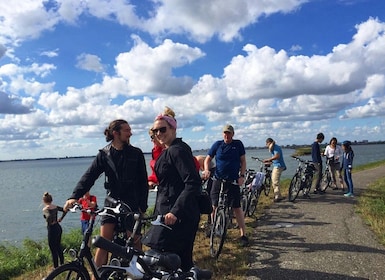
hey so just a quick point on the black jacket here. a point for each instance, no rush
(126, 180)
(179, 182)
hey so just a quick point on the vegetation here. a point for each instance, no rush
(33, 259)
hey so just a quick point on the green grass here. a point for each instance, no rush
(33, 259)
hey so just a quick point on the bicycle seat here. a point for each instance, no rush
(170, 261)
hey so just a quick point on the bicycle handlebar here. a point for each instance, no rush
(302, 160)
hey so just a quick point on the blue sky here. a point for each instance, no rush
(284, 69)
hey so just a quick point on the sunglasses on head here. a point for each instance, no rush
(161, 130)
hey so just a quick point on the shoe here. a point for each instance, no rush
(244, 241)
(199, 273)
(335, 188)
(315, 191)
(349, 194)
(278, 199)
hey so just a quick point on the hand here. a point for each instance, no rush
(69, 203)
(241, 180)
(170, 219)
(206, 174)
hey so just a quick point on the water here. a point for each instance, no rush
(24, 182)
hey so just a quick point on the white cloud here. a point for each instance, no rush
(89, 62)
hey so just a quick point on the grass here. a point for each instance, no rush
(33, 261)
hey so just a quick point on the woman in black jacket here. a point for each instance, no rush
(179, 186)
(126, 179)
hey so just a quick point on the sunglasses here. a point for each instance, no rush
(161, 130)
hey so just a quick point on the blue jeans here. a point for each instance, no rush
(85, 224)
(348, 180)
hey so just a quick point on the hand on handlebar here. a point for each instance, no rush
(69, 204)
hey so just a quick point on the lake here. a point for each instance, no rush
(24, 182)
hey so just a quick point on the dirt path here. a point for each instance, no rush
(320, 238)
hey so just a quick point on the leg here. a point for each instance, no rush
(275, 179)
(317, 177)
(52, 245)
(101, 256)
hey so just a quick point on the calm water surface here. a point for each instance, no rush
(24, 182)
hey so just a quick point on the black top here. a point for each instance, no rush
(126, 176)
(50, 215)
(179, 181)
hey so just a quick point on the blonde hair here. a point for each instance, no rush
(168, 112)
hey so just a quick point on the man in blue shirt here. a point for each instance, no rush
(317, 161)
(230, 166)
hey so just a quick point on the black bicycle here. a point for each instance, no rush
(222, 219)
(302, 179)
(255, 184)
(129, 262)
(326, 180)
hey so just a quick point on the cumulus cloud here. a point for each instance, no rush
(149, 69)
(13, 105)
(89, 62)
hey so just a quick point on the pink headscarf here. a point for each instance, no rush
(170, 120)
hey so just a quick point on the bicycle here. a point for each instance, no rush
(255, 183)
(140, 265)
(302, 179)
(222, 219)
(326, 180)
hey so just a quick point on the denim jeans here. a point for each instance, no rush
(348, 180)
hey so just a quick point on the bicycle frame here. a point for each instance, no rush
(222, 217)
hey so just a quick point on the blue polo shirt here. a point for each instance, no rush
(227, 158)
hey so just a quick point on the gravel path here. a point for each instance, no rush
(318, 238)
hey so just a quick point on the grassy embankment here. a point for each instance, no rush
(32, 260)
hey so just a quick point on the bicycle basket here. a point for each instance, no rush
(258, 180)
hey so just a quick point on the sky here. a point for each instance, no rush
(285, 69)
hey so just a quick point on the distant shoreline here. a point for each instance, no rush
(294, 147)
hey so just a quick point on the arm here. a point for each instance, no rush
(206, 167)
(63, 215)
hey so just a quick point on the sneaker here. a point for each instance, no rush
(349, 194)
(244, 241)
(199, 273)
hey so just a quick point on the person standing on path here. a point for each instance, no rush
(230, 166)
(55, 231)
(347, 165)
(333, 152)
(317, 162)
(278, 167)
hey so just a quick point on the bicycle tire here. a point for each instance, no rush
(69, 271)
(294, 188)
(254, 198)
(218, 233)
(267, 184)
(326, 180)
(307, 185)
(244, 202)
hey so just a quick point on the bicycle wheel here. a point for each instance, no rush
(295, 187)
(307, 185)
(253, 197)
(326, 180)
(244, 202)
(218, 233)
(267, 184)
(69, 271)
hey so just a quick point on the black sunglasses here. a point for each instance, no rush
(161, 130)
